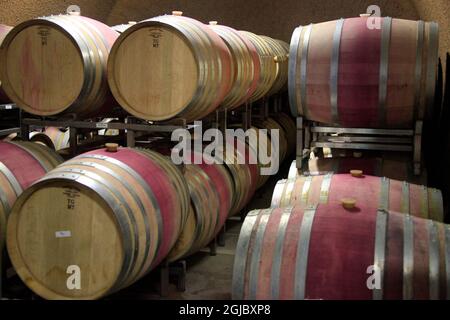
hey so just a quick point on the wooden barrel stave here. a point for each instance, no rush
(329, 260)
(175, 175)
(368, 191)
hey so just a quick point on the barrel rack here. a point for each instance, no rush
(7, 108)
(312, 135)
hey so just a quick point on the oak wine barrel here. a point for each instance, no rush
(367, 191)
(115, 213)
(273, 64)
(57, 64)
(59, 137)
(242, 163)
(221, 181)
(3, 32)
(170, 66)
(290, 129)
(21, 164)
(280, 50)
(245, 62)
(270, 124)
(212, 192)
(205, 202)
(344, 73)
(328, 252)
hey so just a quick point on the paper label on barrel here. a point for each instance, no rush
(63, 234)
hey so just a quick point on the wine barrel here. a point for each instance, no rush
(245, 62)
(290, 130)
(368, 191)
(328, 252)
(221, 181)
(205, 202)
(212, 192)
(42, 139)
(270, 124)
(57, 64)
(3, 32)
(344, 73)
(280, 50)
(115, 213)
(393, 168)
(272, 59)
(21, 163)
(183, 71)
(59, 138)
(242, 163)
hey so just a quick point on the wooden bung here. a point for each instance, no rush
(213, 23)
(356, 173)
(111, 147)
(348, 203)
(177, 13)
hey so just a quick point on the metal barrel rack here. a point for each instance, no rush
(8, 108)
(311, 135)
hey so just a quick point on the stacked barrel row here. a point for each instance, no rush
(117, 213)
(345, 236)
(158, 69)
(340, 230)
(326, 233)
